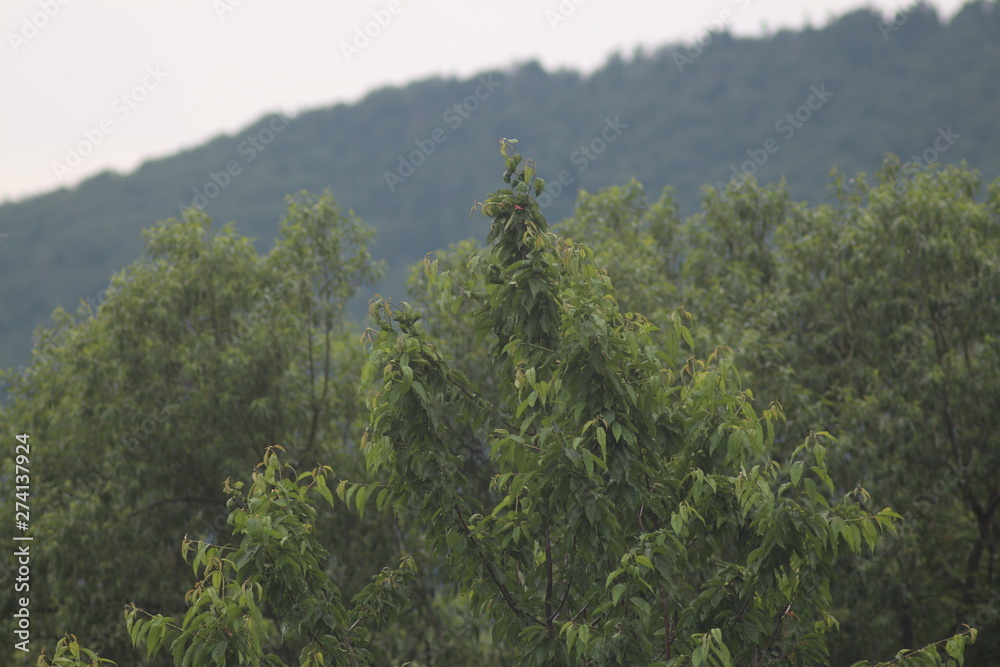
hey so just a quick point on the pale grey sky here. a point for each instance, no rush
(123, 81)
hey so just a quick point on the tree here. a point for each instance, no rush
(637, 518)
(635, 515)
(897, 351)
(279, 563)
(199, 358)
(873, 317)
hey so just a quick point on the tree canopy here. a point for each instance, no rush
(577, 450)
(689, 124)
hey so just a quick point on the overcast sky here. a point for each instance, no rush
(123, 81)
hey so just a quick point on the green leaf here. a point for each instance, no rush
(795, 472)
(677, 523)
(722, 653)
(699, 655)
(616, 592)
(361, 499)
(324, 491)
(643, 606)
(955, 648)
(381, 499)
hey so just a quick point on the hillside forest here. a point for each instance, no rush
(913, 85)
(635, 407)
(763, 434)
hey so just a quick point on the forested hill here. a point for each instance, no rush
(409, 160)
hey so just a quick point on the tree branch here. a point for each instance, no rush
(493, 577)
(548, 580)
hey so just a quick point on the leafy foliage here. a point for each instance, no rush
(69, 653)
(873, 317)
(596, 489)
(637, 518)
(890, 94)
(200, 357)
(278, 565)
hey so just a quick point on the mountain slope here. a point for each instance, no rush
(792, 105)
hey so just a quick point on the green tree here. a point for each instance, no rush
(875, 318)
(200, 357)
(634, 513)
(894, 295)
(279, 567)
(638, 518)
